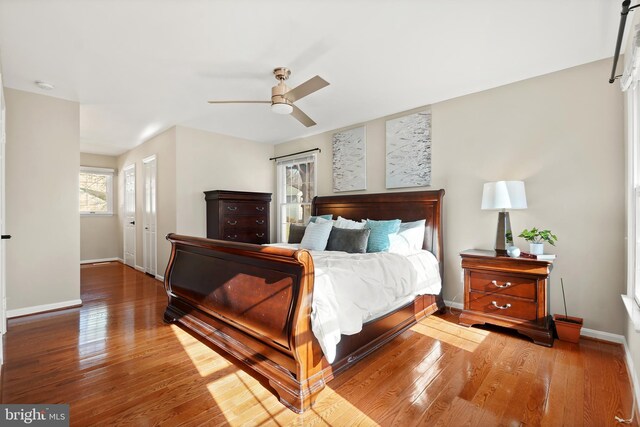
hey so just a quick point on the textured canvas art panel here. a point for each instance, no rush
(349, 160)
(409, 151)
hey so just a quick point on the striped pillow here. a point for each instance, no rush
(316, 236)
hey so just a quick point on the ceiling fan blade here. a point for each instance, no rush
(306, 88)
(302, 117)
(239, 102)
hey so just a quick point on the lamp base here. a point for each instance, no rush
(504, 238)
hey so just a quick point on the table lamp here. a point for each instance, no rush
(503, 195)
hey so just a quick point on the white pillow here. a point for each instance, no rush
(348, 224)
(320, 220)
(410, 237)
(316, 236)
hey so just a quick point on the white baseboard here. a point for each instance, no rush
(41, 308)
(160, 278)
(454, 304)
(137, 267)
(93, 261)
(604, 336)
(120, 260)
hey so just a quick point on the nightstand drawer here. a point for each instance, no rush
(503, 284)
(500, 305)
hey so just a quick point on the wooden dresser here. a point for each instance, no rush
(510, 292)
(238, 215)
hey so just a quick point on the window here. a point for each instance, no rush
(96, 191)
(295, 192)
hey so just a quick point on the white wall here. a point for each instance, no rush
(164, 147)
(99, 233)
(42, 158)
(562, 134)
(208, 161)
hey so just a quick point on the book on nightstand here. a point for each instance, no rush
(542, 257)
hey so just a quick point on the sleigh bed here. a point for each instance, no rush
(255, 301)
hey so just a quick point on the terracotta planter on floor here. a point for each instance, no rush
(568, 327)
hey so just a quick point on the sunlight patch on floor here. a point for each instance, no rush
(205, 360)
(462, 337)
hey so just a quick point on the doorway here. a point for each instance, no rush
(130, 215)
(150, 249)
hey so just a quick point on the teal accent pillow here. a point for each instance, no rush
(316, 236)
(380, 231)
(328, 217)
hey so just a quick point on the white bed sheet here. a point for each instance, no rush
(351, 289)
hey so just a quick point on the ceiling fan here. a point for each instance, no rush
(282, 98)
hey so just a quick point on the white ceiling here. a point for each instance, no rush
(138, 67)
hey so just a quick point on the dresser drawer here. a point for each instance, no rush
(246, 236)
(244, 208)
(501, 305)
(503, 284)
(238, 222)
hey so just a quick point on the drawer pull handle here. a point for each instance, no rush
(501, 307)
(495, 283)
(260, 208)
(260, 234)
(232, 208)
(260, 221)
(234, 237)
(232, 222)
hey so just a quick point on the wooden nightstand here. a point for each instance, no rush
(510, 292)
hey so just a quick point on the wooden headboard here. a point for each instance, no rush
(406, 206)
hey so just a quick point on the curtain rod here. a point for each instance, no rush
(623, 20)
(293, 154)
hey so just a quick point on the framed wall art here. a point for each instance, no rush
(349, 160)
(408, 150)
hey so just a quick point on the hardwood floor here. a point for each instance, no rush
(117, 363)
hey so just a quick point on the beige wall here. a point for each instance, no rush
(208, 161)
(42, 158)
(164, 147)
(99, 233)
(562, 134)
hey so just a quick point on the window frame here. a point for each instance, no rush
(281, 192)
(110, 174)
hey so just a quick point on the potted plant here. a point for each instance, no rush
(567, 327)
(536, 239)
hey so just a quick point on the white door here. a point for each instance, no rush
(149, 219)
(130, 215)
(3, 295)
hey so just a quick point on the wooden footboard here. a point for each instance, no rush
(254, 302)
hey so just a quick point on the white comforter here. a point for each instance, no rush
(350, 289)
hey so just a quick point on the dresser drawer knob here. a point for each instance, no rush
(234, 237)
(260, 234)
(232, 222)
(495, 283)
(232, 208)
(260, 208)
(501, 307)
(260, 221)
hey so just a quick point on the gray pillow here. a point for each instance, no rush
(296, 232)
(348, 240)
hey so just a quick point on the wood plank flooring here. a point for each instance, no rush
(117, 363)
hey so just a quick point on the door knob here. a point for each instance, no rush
(132, 223)
(5, 236)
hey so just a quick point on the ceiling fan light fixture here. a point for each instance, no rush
(281, 108)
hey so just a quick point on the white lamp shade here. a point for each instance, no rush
(504, 195)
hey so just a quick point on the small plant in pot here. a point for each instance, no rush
(536, 239)
(567, 327)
